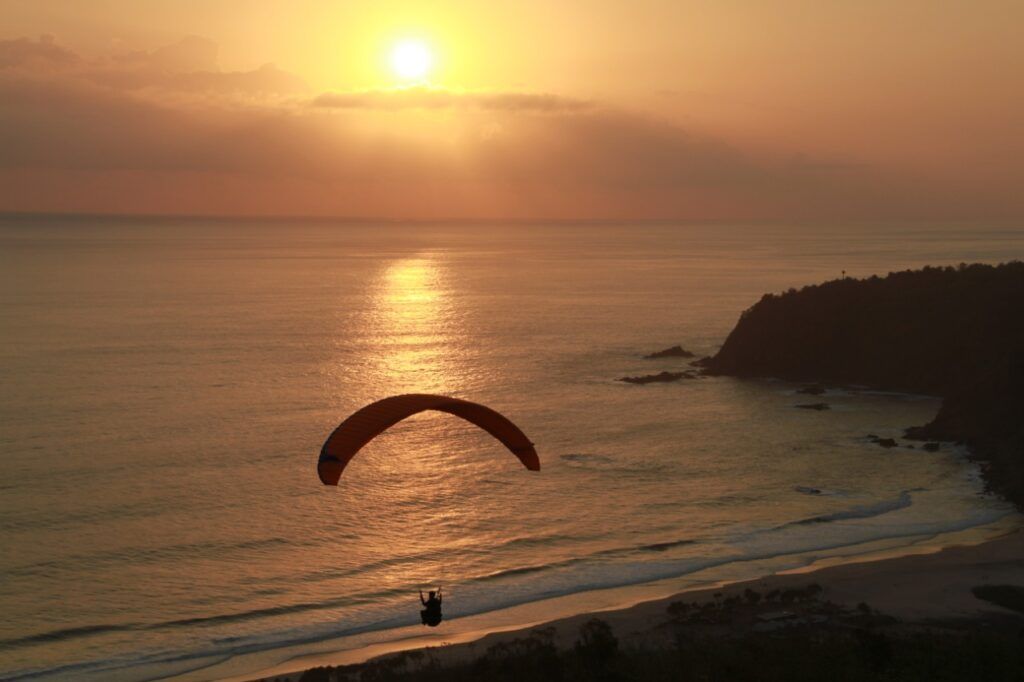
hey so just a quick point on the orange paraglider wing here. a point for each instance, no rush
(372, 420)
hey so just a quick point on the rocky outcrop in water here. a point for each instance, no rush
(673, 352)
(957, 333)
(660, 377)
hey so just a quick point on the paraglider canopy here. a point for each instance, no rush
(370, 421)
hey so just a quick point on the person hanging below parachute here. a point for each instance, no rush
(374, 419)
(431, 614)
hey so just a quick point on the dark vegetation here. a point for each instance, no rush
(739, 637)
(1008, 596)
(957, 333)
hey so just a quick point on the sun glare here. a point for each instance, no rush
(411, 59)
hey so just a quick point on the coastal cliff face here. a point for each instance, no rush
(953, 332)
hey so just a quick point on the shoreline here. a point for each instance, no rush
(850, 575)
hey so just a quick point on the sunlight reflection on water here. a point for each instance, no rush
(195, 385)
(417, 328)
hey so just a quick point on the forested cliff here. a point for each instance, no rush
(953, 332)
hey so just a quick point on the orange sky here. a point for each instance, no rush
(572, 110)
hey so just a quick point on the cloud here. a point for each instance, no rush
(25, 52)
(80, 124)
(265, 80)
(436, 98)
(141, 132)
(191, 53)
(187, 66)
(190, 65)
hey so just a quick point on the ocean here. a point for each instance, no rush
(167, 385)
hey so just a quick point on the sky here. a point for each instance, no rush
(528, 110)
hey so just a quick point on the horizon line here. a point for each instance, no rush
(382, 220)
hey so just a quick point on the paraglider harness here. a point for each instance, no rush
(431, 615)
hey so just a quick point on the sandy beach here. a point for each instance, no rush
(926, 586)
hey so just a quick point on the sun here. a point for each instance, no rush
(411, 59)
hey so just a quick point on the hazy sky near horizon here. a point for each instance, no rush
(692, 109)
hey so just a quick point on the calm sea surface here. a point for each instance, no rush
(167, 387)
